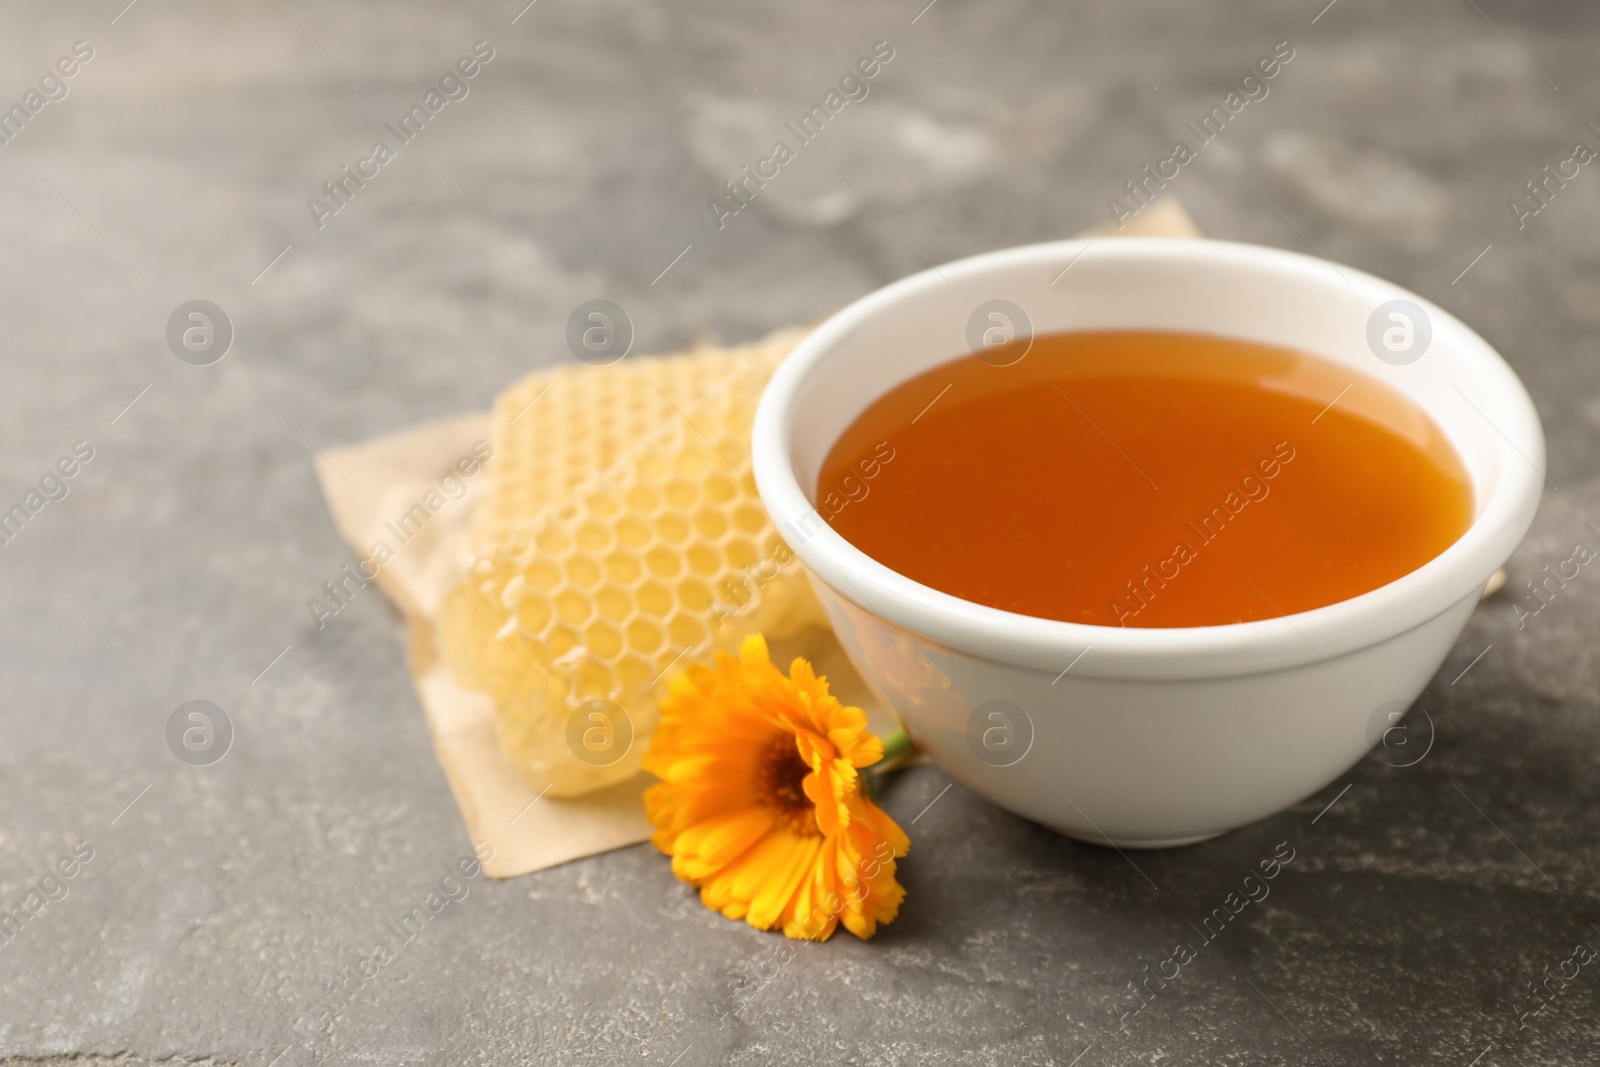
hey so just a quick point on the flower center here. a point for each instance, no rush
(779, 778)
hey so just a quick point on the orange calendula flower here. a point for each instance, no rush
(761, 804)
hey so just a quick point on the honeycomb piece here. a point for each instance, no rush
(622, 539)
(555, 429)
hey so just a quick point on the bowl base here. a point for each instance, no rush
(1143, 842)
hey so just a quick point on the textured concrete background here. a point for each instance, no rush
(1417, 909)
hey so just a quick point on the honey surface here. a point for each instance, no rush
(1154, 479)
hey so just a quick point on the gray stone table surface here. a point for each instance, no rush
(1422, 902)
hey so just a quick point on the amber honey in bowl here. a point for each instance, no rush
(1145, 478)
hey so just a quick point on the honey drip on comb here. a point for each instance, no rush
(1141, 478)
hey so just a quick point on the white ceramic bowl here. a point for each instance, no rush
(1154, 737)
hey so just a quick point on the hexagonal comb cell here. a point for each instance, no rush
(621, 540)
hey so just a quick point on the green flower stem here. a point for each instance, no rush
(895, 746)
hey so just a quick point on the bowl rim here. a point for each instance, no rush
(1156, 652)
